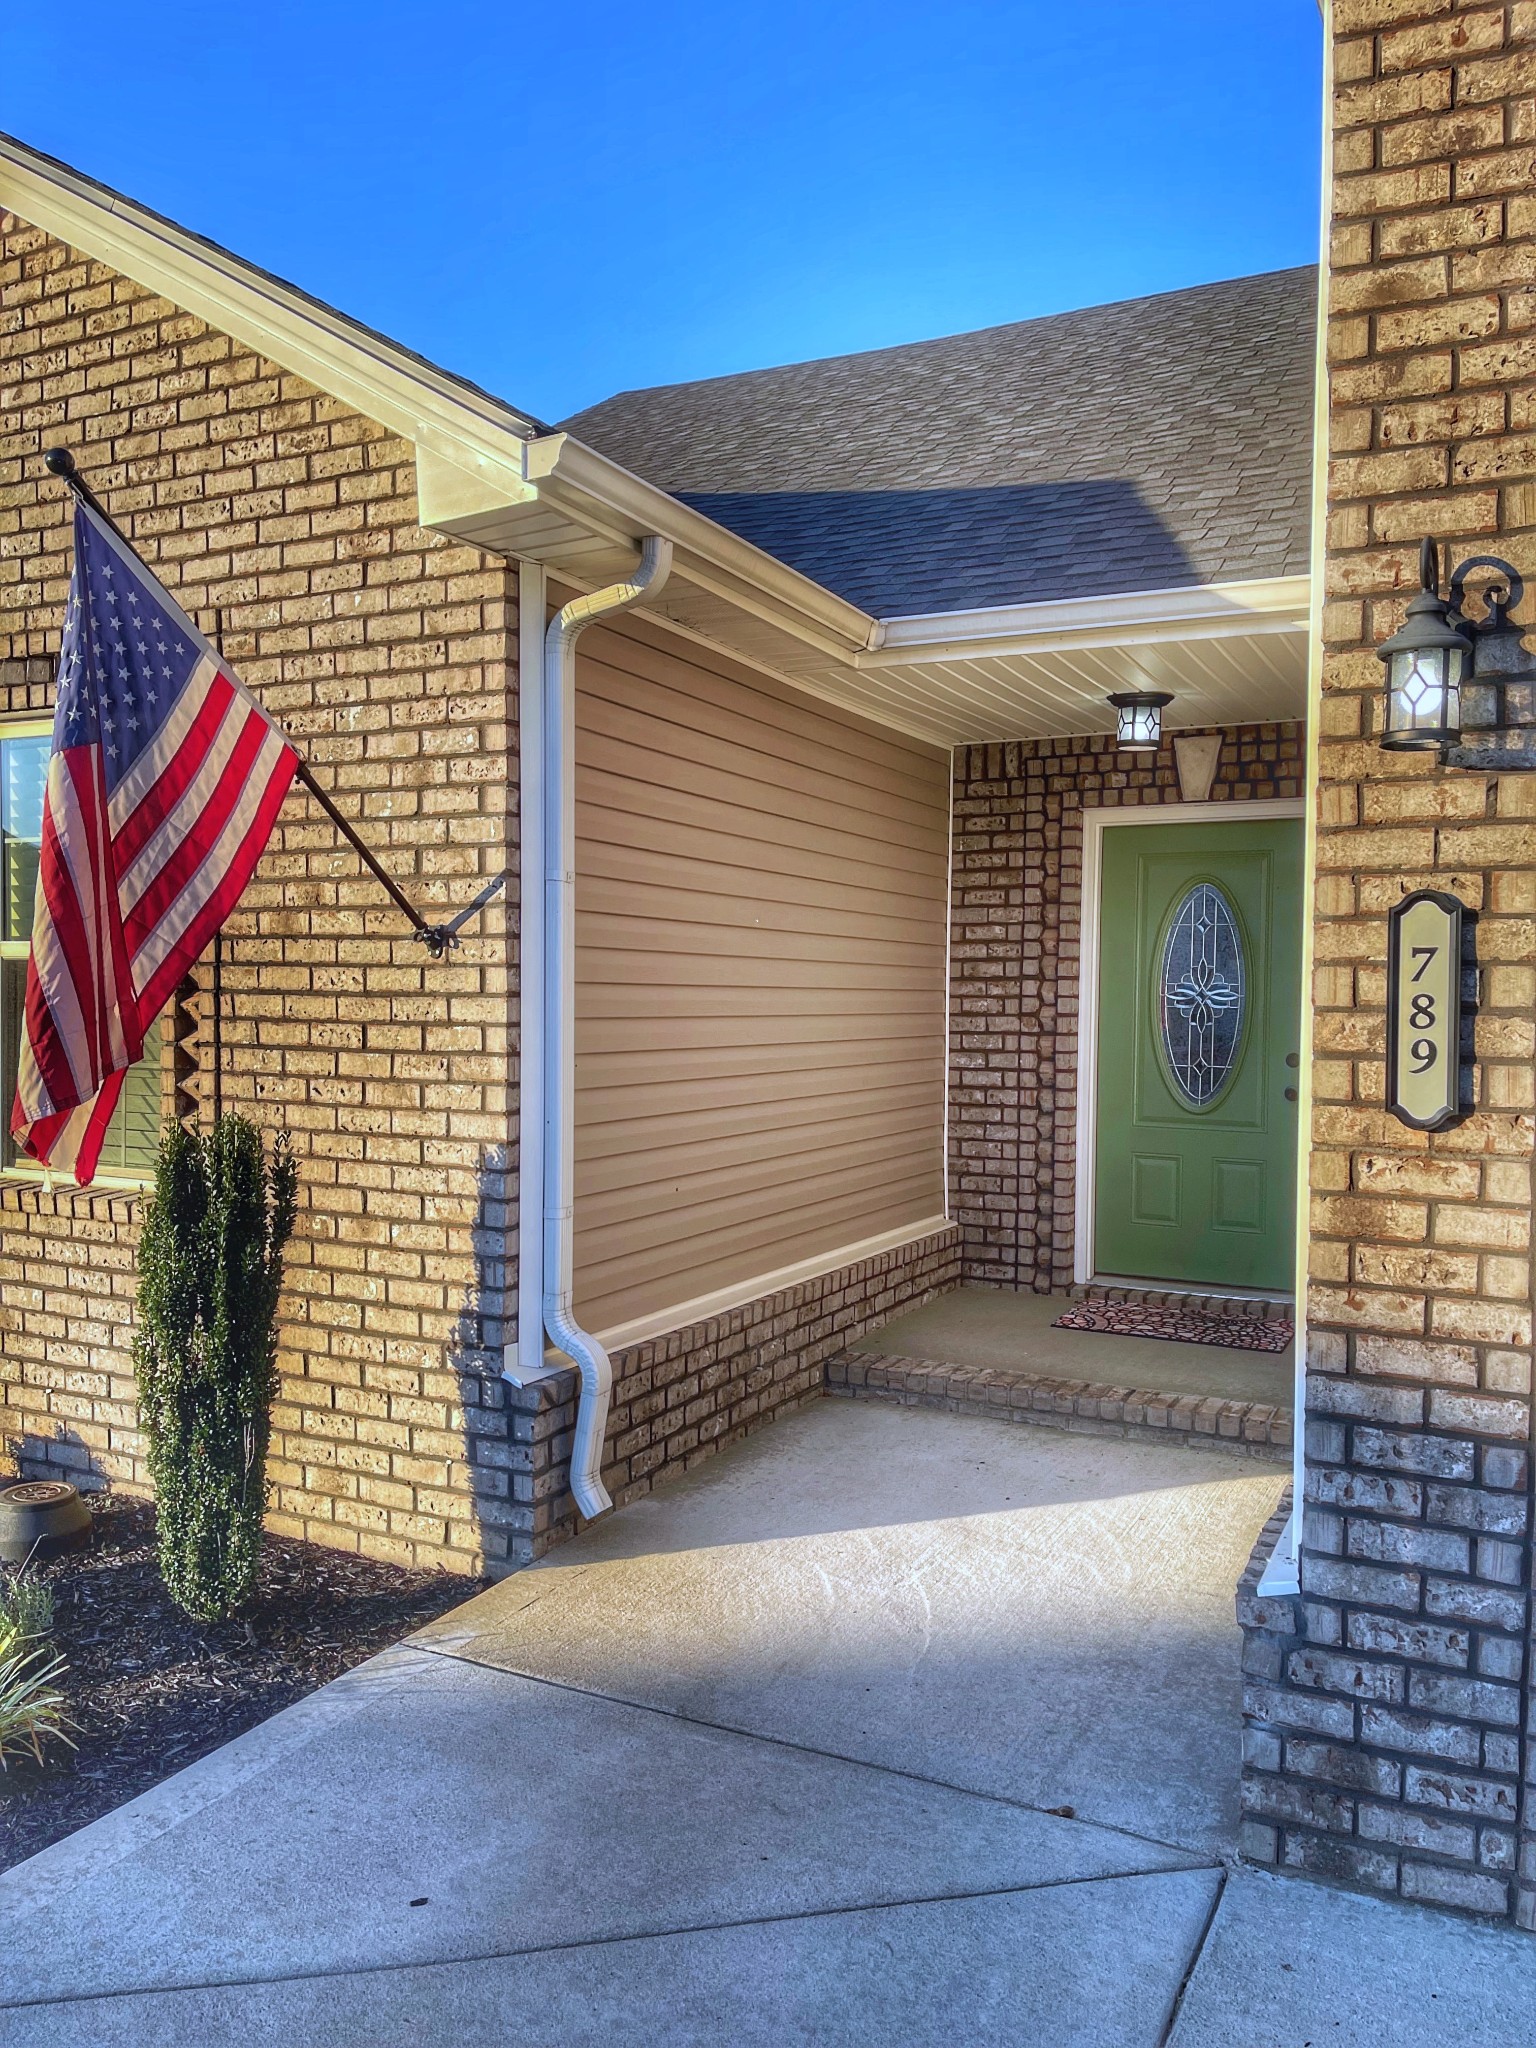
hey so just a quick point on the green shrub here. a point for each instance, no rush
(26, 1610)
(210, 1267)
(31, 1705)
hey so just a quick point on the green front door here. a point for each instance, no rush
(1199, 1010)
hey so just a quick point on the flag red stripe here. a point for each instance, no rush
(129, 1015)
(162, 796)
(57, 897)
(191, 852)
(88, 1153)
(202, 927)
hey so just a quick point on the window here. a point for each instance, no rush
(131, 1143)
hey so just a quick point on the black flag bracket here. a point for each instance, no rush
(439, 939)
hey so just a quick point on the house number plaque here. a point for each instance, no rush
(1424, 977)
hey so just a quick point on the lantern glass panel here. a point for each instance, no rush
(1140, 727)
(1425, 692)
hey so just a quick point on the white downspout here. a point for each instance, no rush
(559, 1049)
(525, 1360)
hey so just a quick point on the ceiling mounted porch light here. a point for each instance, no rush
(1139, 719)
(1427, 660)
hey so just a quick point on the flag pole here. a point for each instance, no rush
(437, 938)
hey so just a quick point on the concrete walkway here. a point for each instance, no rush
(771, 1757)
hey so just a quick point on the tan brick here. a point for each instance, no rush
(1391, 191)
(1368, 1308)
(1458, 135)
(1431, 326)
(1442, 41)
(1447, 1365)
(1442, 419)
(1504, 361)
(1390, 284)
(1511, 170)
(1462, 513)
(1444, 227)
(1456, 1180)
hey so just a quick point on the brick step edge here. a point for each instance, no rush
(1257, 1427)
(1256, 1308)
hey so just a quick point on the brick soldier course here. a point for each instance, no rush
(1389, 1706)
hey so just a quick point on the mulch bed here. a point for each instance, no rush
(153, 1690)
(1177, 1325)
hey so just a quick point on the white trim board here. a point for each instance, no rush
(720, 1303)
(1097, 820)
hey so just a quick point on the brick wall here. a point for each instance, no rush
(1015, 958)
(1385, 1742)
(387, 653)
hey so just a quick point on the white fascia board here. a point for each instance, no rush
(387, 383)
(1273, 604)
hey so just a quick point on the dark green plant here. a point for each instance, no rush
(31, 1705)
(210, 1267)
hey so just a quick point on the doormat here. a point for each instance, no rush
(1176, 1325)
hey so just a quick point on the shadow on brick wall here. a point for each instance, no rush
(64, 1455)
(498, 1437)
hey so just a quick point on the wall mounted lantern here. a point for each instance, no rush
(1139, 719)
(1464, 688)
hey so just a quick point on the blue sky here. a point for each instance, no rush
(559, 206)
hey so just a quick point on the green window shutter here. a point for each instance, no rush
(134, 1136)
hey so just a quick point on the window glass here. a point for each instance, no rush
(1201, 994)
(133, 1139)
(23, 773)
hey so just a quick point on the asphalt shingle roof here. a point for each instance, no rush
(1146, 445)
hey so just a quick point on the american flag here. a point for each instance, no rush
(164, 782)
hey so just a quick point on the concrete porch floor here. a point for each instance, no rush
(888, 1727)
(991, 1328)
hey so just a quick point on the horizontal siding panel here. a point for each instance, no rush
(629, 1160)
(737, 741)
(675, 806)
(775, 1094)
(803, 854)
(644, 653)
(760, 976)
(644, 756)
(702, 884)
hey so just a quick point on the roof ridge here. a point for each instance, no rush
(933, 341)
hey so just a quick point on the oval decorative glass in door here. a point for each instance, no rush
(1201, 994)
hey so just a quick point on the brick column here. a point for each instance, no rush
(1386, 1706)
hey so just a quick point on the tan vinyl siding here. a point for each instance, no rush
(760, 976)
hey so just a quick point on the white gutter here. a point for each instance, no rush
(1202, 611)
(559, 1049)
